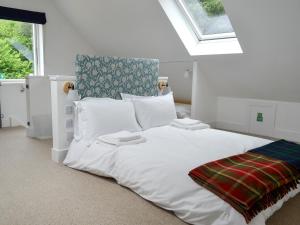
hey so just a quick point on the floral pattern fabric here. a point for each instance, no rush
(105, 76)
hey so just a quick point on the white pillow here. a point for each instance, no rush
(155, 111)
(125, 96)
(105, 116)
(79, 123)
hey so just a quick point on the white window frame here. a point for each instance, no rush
(194, 46)
(38, 49)
(196, 29)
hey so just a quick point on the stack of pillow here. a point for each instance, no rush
(96, 117)
(153, 111)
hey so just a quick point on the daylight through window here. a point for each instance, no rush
(207, 18)
(17, 49)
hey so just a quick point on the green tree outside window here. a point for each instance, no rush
(16, 58)
(213, 7)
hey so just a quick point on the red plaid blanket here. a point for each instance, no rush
(249, 182)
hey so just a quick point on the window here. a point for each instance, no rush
(207, 18)
(202, 26)
(20, 49)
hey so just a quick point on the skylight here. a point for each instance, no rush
(203, 26)
(207, 18)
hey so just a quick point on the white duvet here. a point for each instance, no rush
(158, 170)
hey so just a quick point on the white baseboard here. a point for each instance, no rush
(41, 137)
(287, 134)
(30, 132)
(58, 155)
(231, 126)
(44, 137)
(277, 133)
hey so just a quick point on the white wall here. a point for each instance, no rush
(181, 86)
(141, 30)
(130, 28)
(281, 119)
(61, 44)
(204, 100)
(61, 40)
(269, 67)
(267, 31)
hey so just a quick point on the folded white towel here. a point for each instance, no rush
(126, 136)
(122, 138)
(199, 126)
(186, 122)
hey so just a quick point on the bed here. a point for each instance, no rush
(158, 168)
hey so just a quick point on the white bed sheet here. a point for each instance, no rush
(158, 170)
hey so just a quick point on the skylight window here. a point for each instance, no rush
(207, 18)
(203, 26)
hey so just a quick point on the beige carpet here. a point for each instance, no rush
(36, 191)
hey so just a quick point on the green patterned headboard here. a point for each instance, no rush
(105, 76)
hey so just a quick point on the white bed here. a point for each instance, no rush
(158, 170)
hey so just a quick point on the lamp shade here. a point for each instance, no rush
(187, 74)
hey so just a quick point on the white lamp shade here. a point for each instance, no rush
(186, 74)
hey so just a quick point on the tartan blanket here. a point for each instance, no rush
(282, 150)
(249, 182)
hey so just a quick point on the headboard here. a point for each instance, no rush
(105, 76)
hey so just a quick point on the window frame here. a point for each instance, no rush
(195, 28)
(38, 49)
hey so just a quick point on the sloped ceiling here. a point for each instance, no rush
(270, 66)
(267, 30)
(137, 28)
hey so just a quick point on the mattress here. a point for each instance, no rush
(158, 169)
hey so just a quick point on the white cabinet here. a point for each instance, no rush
(12, 103)
(38, 99)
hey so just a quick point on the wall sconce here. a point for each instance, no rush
(68, 86)
(163, 85)
(72, 95)
(187, 73)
